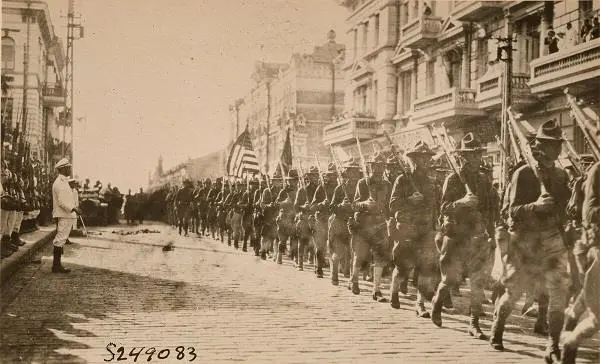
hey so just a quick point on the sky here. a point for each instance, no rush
(156, 77)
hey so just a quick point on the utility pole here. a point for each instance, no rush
(506, 48)
(28, 12)
(69, 71)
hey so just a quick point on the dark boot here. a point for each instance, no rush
(236, 244)
(500, 316)
(16, 239)
(355, 288)
(570, 323)
(5, 250)
(448, 302)
(245, 246)
(56, 263)
(474, 329)
(394, 300)
(319, 270)
(436, 303)
(263, 255)
(404, 286)
(555, 324)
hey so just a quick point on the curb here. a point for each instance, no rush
(34, 242)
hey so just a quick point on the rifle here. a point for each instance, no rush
(363, 165)
(338, 172)
(321, 177)
(590, 131)
(405, 169)
(573, 156)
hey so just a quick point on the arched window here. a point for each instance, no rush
(8, 53)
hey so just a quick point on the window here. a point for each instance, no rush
(365, 37)
(8, 53)
(376, 35)
(355, 43)
(406, 91)
(482, 57)
(375, 95)
(7, 110)
(454, 68)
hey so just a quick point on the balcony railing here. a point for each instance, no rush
(348, 129)
(420, 31)
(553, 72)
(489, 91)
(452, 103)
(475, 10)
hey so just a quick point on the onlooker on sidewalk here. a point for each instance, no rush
(65, 211)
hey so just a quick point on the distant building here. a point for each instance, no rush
(45, 91)
(414, 63)
(302, 95)
(197, 169)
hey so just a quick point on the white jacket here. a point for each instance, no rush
(62, 198)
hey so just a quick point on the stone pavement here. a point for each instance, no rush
(225, 304)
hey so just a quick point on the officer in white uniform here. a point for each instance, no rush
(64, 210)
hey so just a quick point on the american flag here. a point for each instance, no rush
(242, 159)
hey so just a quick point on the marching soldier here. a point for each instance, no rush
(320, 205)
(213, 199)
(588, 263)
(414, 203)
(195, 212)
(537, 250)
(341, 207)
(368, 227)
(257, 216)
(269, 208)
(466, 220)
(285, 218)
(247, 207)
(203, 207)
(184, 201)
(304, 227)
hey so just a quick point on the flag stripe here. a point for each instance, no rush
(242, 159)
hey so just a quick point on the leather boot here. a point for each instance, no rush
(436, 305)
(355, 288)
(394, 300)
(541, 323)
(16, 239)
(263, 255)
(555, 323)
(245, 246)
(500, 316)
(320, 264)
(5, 250)
(404, 286)
(334, 273)
(56, 263)
(474, 329)
(236, 244)
(378, 296)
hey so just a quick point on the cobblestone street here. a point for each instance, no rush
(225, 304)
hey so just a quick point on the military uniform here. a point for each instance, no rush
(466, 223)
(247, 208)
(202, 200)
(414, 203)
(588, 261)
(341, 208)
(285, 219)
(304, 226)
(368, 227)
(321, 207)
(269, 211)
(537, 255)
(184, 201)
(213, 199)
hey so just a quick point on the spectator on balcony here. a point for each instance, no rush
(551, 41)
(595, 32)
(585, 30)
(427, 10)
(571, 37)
(86, 185)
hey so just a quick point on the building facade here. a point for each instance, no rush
(413, 63)
(29, 41)
(196, 169)
(302, 95)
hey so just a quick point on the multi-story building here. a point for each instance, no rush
(28, 38)
(413, 63)
(302, 95)
(210, 166)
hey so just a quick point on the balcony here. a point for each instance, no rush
(579, 65)
(489, 91)
(420, 32)
(348, 129)
(53, 95)
(449, 105)
(476, 10)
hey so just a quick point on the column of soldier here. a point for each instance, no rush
(403, 214)
(26, 187)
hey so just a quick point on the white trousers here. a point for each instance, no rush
(7, 220)
(17, 223)
(63, 229)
